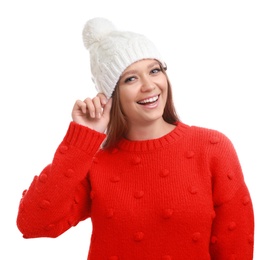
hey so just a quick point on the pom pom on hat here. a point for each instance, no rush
(112, 51)
(95, 29)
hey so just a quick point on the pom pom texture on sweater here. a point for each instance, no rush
(179, 197)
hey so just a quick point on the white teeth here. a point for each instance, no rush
(148, 100)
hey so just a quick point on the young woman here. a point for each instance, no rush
(154, 187)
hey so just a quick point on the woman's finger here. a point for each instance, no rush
(97, 103)
(90, 107)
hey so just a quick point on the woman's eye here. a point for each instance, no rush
(156, 70)
(129, 79)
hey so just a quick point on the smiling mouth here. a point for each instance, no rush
(148, 100)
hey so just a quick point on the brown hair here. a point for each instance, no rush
(117, 126)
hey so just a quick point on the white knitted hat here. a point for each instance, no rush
(112, 51)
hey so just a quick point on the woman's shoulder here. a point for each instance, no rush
(200, 130)
(204, 134)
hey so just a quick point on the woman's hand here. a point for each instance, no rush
(93, 113)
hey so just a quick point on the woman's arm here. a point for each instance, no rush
(233, 226)
(60, 196)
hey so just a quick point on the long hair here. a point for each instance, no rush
(117, 127)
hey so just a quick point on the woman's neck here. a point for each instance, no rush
(153, 130)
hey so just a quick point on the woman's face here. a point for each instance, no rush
(143, 92)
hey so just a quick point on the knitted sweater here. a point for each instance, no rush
(179, 197)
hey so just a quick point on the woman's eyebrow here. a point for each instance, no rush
(128, 72)
(135, 71)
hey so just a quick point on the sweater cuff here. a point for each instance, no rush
(83, 138)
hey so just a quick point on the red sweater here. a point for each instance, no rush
(179, 197)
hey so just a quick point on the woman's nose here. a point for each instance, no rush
(147, 84)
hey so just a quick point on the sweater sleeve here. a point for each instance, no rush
(233, 226)
(59, 197)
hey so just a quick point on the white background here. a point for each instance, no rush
(224, 64)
